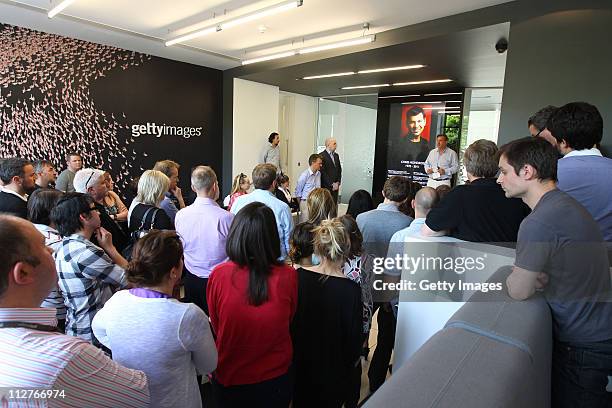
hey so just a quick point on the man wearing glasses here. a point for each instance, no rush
(91, 182)
(88, 273)
(537, 124)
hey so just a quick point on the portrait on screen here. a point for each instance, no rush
(409, 140)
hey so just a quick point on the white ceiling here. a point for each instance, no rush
(143, 25)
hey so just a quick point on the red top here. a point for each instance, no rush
(253, 342)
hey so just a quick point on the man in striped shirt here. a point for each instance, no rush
(61, 370)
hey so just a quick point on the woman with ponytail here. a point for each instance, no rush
(252, 299)
(327, 328)
(148, 330)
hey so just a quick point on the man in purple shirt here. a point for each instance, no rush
(203, 227)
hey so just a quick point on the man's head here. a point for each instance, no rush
(415, 121)
(315, 162)
(424, 200)
(27, 269)
(92, 182)
(480, 159)
(576, 126)
(441, 141)
(264, 177)
(526, 163)
(397, 189)
(170, 169)
(331, 144)
(274, 139)
(75, 212)
(537, 124)
(74, 161)
(45, 173)
(17, 173)
(204, 182)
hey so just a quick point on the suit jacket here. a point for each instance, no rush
(330, 173)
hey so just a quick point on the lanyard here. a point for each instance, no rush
(27, 325)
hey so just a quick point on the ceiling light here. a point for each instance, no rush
(364, 86)
(347, 43)
(433, 81)
(441, 94)
(423, 102)
(397, 96)
(57, 9)
(232, 22)
(370, 71)
(340, 44)
(193, 35)
(436, 107)
(269, 57)
(329, 75)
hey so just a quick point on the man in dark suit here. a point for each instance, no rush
(331, 172)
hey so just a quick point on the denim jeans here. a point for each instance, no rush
(580, 375)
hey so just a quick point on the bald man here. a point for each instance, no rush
(331, 172)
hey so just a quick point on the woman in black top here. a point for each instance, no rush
(327, 327)
(152, 186)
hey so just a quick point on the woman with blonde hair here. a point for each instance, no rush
(145, 212)
(327, 328)
(321, 206)
(240, 186)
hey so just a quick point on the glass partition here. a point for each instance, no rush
(351, 120)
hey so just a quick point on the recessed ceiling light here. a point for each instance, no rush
(445, 93)
(329, 75)
(398, 96)
(365, 86)
(369, 71)
(433, 81)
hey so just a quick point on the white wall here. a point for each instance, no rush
(255, 117)
(483, 125)
(298, 129)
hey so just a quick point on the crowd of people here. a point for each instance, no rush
(137, 302)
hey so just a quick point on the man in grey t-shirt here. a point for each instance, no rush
(560, 251)
(65, 181)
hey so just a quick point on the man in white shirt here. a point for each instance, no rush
(441, 163)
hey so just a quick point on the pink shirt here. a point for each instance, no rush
(203, 227)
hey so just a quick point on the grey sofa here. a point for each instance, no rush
(493, 352)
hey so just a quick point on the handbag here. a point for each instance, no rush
(140, 232)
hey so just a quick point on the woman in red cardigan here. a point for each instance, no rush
(252, 299)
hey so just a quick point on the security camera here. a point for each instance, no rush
(501, 46)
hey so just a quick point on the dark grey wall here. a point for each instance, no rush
(554, 59)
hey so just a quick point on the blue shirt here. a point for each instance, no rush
(307, 182)
(281, 210)
(586, 176)
(169, 207)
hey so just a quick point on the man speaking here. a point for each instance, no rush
(331, 172)
(441, 163)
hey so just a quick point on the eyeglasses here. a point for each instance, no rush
(90, 176)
